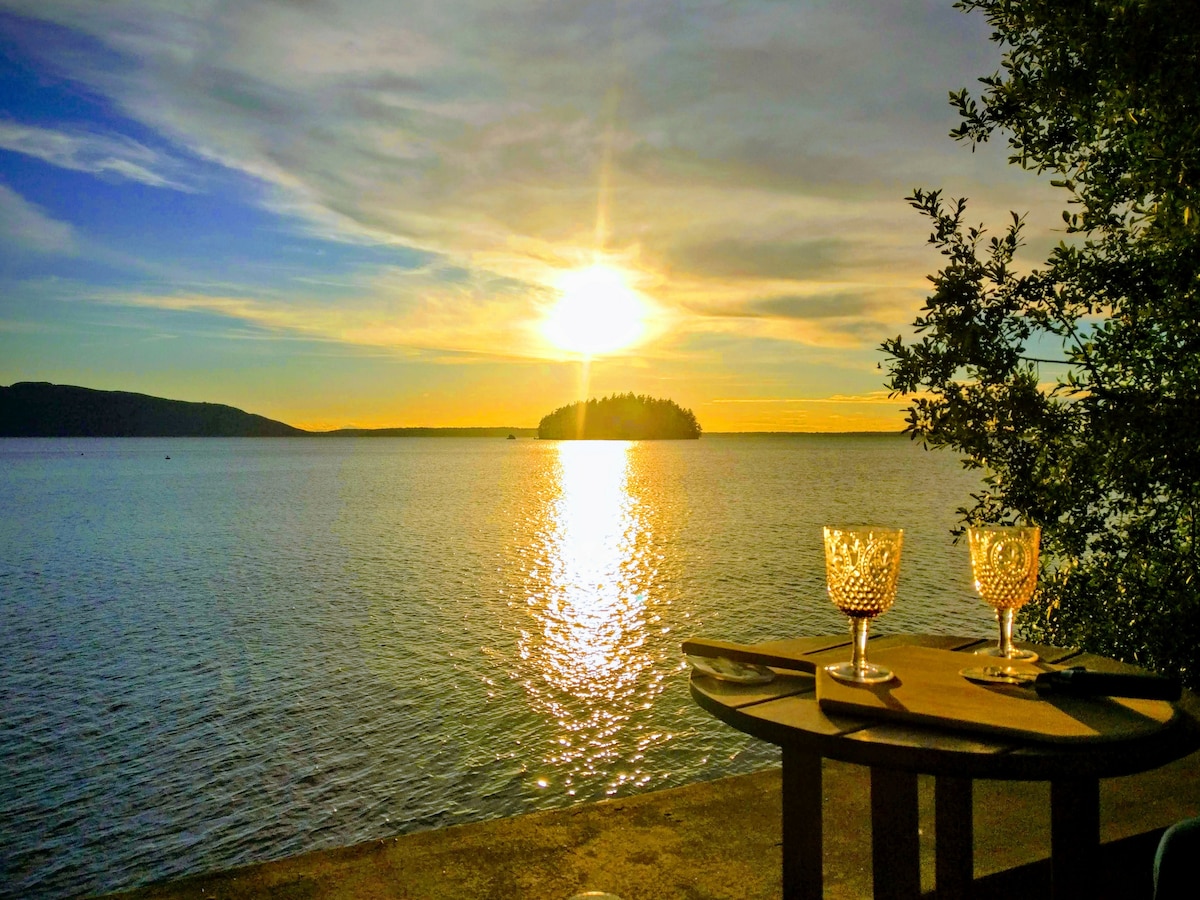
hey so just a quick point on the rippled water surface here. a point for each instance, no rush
(215, 652)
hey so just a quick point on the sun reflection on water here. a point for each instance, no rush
(589, 670)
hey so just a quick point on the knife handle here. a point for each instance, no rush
(1080, 682)
(746, 654)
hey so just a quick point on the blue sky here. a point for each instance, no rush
(362, 213)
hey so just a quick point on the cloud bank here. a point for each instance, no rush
(747, 161)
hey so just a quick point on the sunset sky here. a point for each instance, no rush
(367, 213)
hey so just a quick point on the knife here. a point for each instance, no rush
(1080, 682)
(745, 654)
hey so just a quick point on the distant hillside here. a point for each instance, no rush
(430, 432)
(621, 417)
(38, 409)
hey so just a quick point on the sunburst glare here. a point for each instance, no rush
(593, 670)
(598, 311)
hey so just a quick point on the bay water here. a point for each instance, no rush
(222, 651)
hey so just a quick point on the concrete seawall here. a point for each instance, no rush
(718, 839)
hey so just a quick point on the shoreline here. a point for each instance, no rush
(714, 839)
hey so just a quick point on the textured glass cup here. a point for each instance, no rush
(1004, 561)
(862, 565)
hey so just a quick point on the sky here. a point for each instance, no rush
(374, 213)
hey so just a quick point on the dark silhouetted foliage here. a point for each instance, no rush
(1075, 387)
(621, 417)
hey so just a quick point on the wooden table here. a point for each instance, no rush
(785, 712)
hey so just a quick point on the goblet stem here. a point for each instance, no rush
(1005, 649)
(1005, 618)
(858, 670)
(858, 631)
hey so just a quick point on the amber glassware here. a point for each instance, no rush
(1004, 561)
(862, 566)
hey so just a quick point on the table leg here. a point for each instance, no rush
(802, 834)
(1074, 836)
(895, 842)
(955, 860)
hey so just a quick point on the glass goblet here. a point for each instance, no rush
(1004, 561)
(862, 564)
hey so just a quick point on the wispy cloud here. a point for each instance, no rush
(749, 159)
(24, 225)
(409, 311)
(111, 156)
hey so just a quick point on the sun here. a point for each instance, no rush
(598, 312)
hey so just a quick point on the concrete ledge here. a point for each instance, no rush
(718, 840)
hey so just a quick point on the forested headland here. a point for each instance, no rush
(621, 417)
(40, 409)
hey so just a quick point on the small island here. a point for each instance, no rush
(621, 417)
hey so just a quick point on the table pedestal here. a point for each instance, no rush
(954, 860)
(895, 748)
(1074, 836)
(803, 837)
(895, 841)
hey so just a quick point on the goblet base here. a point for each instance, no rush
(868, 675)
(1015, 654)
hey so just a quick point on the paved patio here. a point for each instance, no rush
(706, 841)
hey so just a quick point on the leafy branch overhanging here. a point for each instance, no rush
(1102, 451)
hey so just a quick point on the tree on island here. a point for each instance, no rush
(621, 417)
(1075, 387)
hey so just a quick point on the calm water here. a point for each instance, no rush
(260, 647)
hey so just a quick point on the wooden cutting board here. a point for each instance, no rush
(928, 689)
